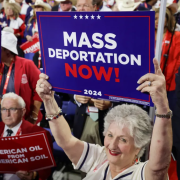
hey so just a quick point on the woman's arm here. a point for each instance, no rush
(161, 143)
(22, 29)
(72, 146)
(34, 112)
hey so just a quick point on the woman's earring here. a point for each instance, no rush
(135, 159)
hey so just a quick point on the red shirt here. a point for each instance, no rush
(25, 79)
(173, 61)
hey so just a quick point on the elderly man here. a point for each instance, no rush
(19, 75)
(12, 112)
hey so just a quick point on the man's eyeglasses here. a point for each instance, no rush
(83, 6)
(12, 110)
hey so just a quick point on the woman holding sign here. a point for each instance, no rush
(127, 131)
(32, 27)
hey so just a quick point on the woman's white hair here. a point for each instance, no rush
(14, 96)
(136, 119)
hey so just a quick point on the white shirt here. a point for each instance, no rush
(105, 8)
(35, 29)
(15, 130)
(94, 162)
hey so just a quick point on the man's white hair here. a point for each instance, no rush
(136, 119)
(14, 96)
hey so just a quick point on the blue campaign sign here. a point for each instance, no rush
(98, 54)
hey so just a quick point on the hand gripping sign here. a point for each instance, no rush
(31, 46)
(30, 152)
(98, 54)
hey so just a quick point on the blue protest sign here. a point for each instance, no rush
(98, 54)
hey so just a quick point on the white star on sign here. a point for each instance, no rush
(75, 17)
(81, 16)
(92, 17)
(86, 16)
(98, 17)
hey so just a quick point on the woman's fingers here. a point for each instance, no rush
(43, 76)
(147, 77)
(42, 82)
(157, 67)
(144, 84)
(100, 107)
(43, 90)
(152, 77)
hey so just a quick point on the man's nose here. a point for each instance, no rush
(8, 112)
(80, 9)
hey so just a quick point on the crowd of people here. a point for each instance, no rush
(108, 144)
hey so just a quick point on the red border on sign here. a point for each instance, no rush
(67, 89)
(105, 17)
(47, 148)
(47, 145)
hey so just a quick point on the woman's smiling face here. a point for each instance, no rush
(119, 145)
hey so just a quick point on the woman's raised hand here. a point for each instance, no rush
(155, 84)
(43, 88)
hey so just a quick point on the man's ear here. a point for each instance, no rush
(95, 7)
(24, 111)
(7, 52)
(137, 151)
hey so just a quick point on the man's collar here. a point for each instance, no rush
(14, 129)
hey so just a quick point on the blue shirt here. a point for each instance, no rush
(144, 5)
(10, 87)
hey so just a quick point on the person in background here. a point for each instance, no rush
(30, 12)
(148, 4)
(52, 3)
(64, 5)
(173, 7)
(102, 6)
(179, 11)
(109, 3)
(19, 75)
(2, 13)
(12, 19)
(24, 7)
(13, 109)
(32, 27)
(127, 131)
(176, 124)
(126, 5)
(169, 67)
(86, 5)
